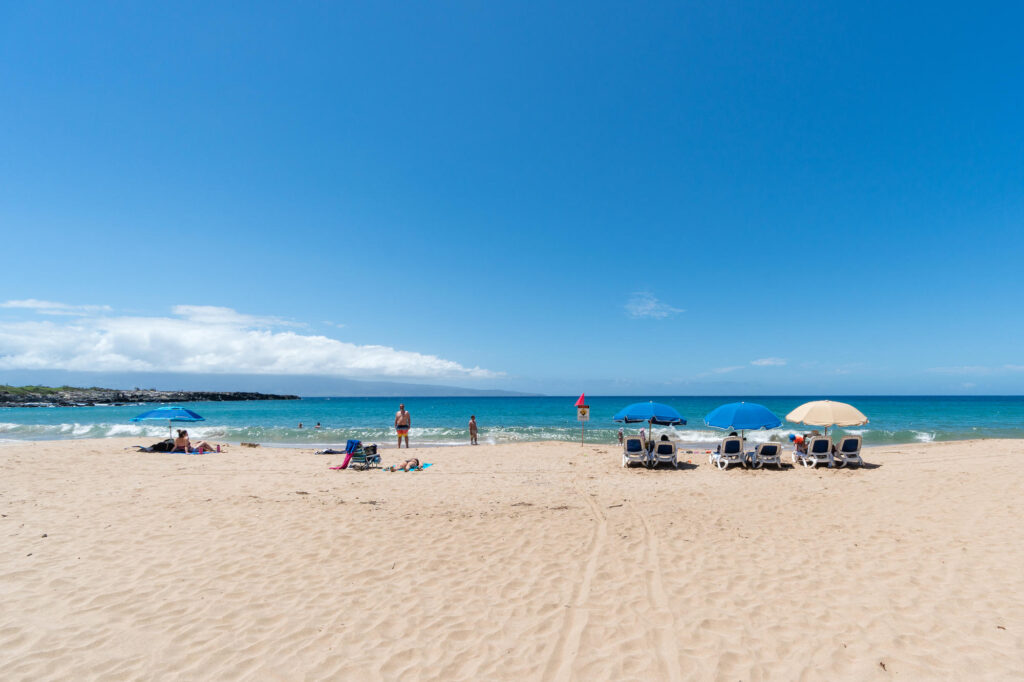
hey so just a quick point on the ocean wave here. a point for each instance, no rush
(146, 433)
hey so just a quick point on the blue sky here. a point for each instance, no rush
(618, 198)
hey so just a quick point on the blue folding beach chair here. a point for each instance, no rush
(363, 456)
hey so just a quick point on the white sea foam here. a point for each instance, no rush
(924, 436)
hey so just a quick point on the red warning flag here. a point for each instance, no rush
(580, 403)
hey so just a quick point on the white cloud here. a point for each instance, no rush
(644, 304)
(210, 314)
(1014, 368)
(206, 340)
(726, 370)
(768, 362)
(52, 308)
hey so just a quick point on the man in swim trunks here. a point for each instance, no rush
(472, 430)
(402, 423)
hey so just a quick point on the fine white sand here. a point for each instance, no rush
(528, 561)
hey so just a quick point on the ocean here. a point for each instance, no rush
(442, 421)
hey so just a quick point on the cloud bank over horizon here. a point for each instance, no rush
(200, 340)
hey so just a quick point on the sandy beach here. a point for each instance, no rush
(539, 561)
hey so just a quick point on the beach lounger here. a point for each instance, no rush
(819, 451)
(633, 450)
(729, 452)
(848, 451)
(768, 453)
(665, 451)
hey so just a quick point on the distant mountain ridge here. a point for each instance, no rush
(69, 396)
(301, 385)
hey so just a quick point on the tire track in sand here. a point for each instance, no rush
(559, 666)
(665, 623)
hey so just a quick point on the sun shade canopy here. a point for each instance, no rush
(173, 414)
(652, 412)
(742, 417)
(827, 413)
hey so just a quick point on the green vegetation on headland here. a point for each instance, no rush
(40, 390)
(69, 396)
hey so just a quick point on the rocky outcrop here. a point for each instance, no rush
(39, 396)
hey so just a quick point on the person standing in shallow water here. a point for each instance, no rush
(403, 420)
(472, 430)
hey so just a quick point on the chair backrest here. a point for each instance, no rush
(768, 449)
(819, 445)
(732, 445)
(352, 446)
(666, 448)
(634, 445)
(850, 444)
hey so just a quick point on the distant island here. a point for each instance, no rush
(70, 396)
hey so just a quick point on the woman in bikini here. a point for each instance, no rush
(407, 465)
(183, 444)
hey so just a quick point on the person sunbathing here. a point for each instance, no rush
(183, 444)
(798, 443)
(407, 465)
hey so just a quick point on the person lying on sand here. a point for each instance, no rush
(407, 465)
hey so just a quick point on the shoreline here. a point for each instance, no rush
(702, 447)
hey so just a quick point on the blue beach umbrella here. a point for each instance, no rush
(650, 412)
(171, 414)
(742, 417)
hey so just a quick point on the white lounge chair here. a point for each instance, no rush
(848, 451)
(633, 450)
(729, 452)
(819, 451)
(767, 453)
(665, 451)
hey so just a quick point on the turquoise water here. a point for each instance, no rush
(442, 421)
